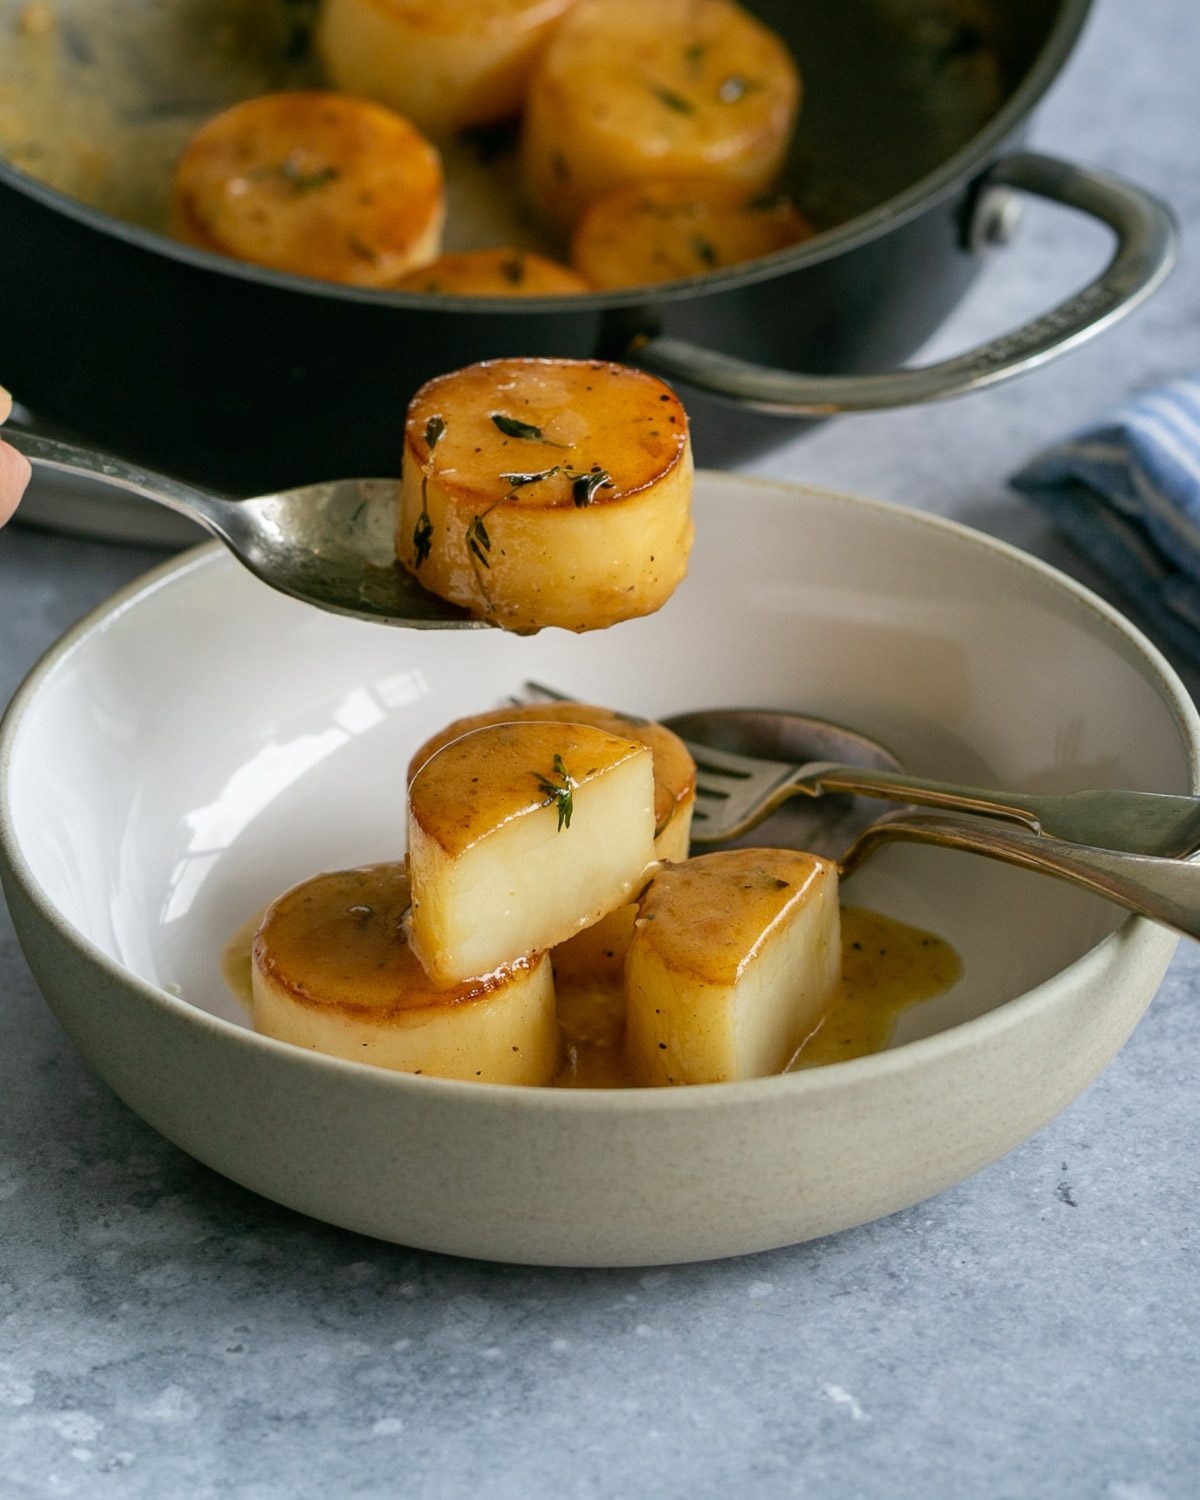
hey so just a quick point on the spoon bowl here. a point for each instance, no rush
(330, 544)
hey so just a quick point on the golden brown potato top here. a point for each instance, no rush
(710, 915)
(549, 433)
(494, 273)
(484, 779)
(315, 183)
(667, 228)
(473, 17)
(341, 935)
(674, 768)
(694, 75)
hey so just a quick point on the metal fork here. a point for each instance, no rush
(736, 792)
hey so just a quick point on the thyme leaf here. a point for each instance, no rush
(422, 536)
(705, 250)
(558, 792)
(478, 540)
(672, 100)
(434, 429)
(584, 486)
(513, 427)
(519, 481)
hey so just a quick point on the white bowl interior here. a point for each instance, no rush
(209, 743)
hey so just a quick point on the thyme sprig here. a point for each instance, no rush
(584, 484)
(423, 531)
(478, 541)
(296, 177)
(677, 102)
(558, 792)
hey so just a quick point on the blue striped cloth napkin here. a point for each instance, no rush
(1126, 492)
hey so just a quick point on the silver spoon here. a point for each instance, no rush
(330, 544)
(849, 829)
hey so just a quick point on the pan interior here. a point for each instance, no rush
(98, 99)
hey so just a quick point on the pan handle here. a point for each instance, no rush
(1147, 247)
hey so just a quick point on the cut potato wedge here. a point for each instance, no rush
(735, 959)
(521, 835)
(332, 971)
(446, 64)
(313, 183)
(543, 492)
(669, 227)
(495, 273)
(598, 953)
(680, 88)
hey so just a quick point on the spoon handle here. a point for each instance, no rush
(1166, 890)
(1135, 822)
(67, 458)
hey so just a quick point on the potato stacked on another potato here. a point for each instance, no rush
(536, 920)
(541, 492)
(678, 88)
(519, 836)
(313, 183)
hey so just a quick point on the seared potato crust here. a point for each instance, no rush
(495, 273)
(445, 64)
(667, 228)
(628, 90)
(520, 835)
(547, 492)
(735, 958)
(332, 971)
(313, 183)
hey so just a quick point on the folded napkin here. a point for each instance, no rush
(1126, 492)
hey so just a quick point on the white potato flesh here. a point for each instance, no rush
(332, 971)
(521, 835)
(446, 64)
(313, 183)
(679, 88)
(734, 960)
(547, 492)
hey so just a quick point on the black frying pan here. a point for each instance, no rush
(249, 379)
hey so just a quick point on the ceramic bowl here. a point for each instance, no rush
(200, 743)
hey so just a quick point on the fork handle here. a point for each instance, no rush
(1112, 818)
(1166, 890)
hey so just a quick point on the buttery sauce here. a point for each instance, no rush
(887, 966)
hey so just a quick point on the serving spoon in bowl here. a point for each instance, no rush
(330, 544)
(1147, 881)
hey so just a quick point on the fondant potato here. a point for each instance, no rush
(542, 492)
(332, 971)
(680, 88)
(521, 835)
(313, 183)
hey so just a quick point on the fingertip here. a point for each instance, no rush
(15, 470)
